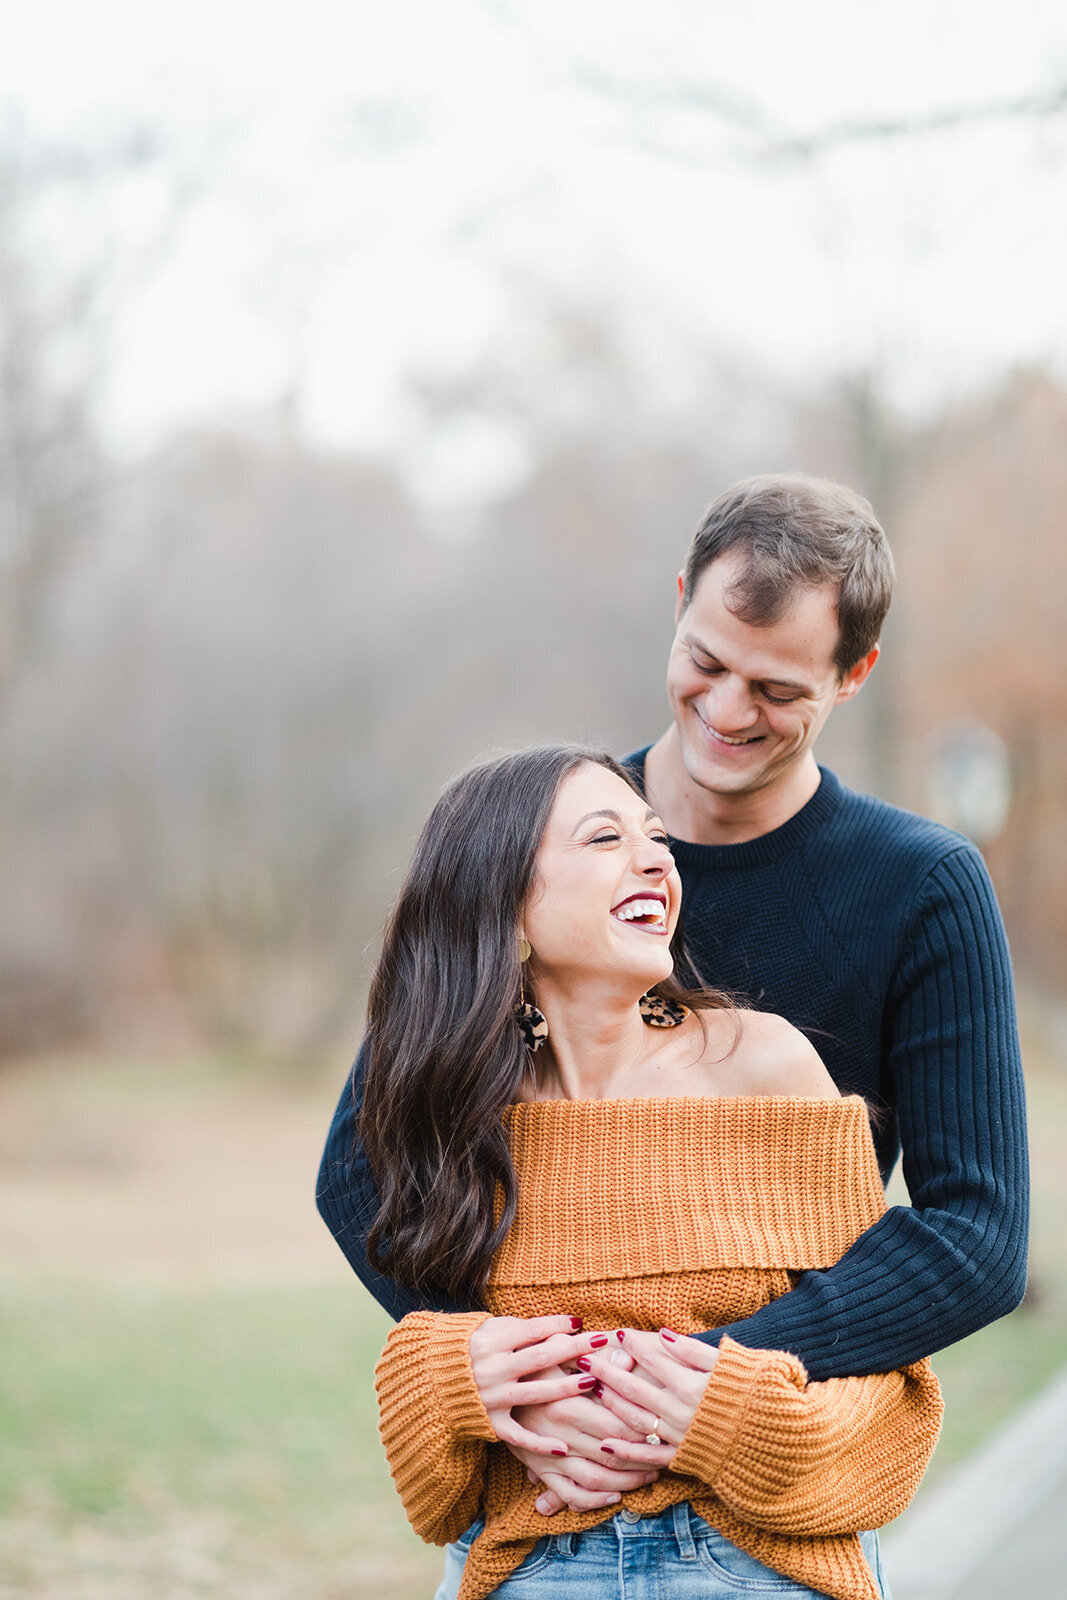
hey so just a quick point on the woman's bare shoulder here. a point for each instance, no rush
(773, 1057)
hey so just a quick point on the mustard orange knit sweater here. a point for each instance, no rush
(686, 1213)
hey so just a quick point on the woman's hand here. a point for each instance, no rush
(577, 1483)
(660, 1395)
(586, 1480)
(516, 1361)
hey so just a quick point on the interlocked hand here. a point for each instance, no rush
(659, 1396)
(517, 1361)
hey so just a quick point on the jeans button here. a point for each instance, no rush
(631, 1516)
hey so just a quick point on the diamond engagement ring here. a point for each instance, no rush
(653, 1437)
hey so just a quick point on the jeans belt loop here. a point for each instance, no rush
(683, 1532)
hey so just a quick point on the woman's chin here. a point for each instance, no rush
(652, 973)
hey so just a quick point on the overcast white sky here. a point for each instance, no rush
(381, 188)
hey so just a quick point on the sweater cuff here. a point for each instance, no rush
(449, 1364)
(720, 1416)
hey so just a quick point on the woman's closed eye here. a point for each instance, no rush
(659, 836)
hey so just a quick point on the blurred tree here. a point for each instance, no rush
(984, 573)
(62, 267)
(65, 265)
(51, 468)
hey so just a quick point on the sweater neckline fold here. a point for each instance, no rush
(625, 1188)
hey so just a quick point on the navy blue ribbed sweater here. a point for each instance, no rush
(877, 933)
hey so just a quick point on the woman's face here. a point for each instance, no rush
(606, 894)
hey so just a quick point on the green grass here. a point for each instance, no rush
(986, 1377)
(242, 1400)
(128, 1411)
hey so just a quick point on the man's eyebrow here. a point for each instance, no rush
(612, 815)
(785, 683)
(779, 683)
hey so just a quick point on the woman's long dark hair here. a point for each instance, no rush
(444, 1055)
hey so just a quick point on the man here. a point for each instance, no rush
(873, 930)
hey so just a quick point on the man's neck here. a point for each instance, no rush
(704, 816)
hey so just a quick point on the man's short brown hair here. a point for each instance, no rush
(799, 532)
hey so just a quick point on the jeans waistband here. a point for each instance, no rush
(674, 1524)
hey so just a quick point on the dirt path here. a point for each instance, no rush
(165, 1172)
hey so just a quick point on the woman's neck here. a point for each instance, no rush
(594, 1043)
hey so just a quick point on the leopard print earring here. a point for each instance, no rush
(531, 1021)
(658, 1012)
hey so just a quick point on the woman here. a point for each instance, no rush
(563, 1135)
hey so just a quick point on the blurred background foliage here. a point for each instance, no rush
(237, 679)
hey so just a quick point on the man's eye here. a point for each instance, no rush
(780, 699)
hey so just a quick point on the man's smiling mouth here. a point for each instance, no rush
(725, 738)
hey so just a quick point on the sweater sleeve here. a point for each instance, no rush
(796, 1457)
(347, 1198)
(927, 1275)
(434, 1427)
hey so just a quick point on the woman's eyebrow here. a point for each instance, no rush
(612, 815)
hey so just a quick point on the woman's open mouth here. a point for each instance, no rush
(648, 911)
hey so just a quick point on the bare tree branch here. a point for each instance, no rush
(836, 135)
(760, 138)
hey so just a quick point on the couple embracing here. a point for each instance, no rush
(657, 1333)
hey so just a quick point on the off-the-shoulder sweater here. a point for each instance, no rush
(687, 1213)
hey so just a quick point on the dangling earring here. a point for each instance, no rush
(659, 1012)
(531, 1021)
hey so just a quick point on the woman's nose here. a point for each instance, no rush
(658, 862)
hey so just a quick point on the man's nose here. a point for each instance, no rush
(731, 707)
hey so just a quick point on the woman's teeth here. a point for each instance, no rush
(653, 910)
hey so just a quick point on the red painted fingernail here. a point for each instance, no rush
(584, 1363)
(576, 1324)
(608, 1451)
(620, 1334)
(587, 1383)
(559, 1452)
(599, 1390)
(665, 1333)
(599, 1342)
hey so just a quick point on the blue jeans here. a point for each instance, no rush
(641, 1558)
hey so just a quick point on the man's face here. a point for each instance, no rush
(748, 702)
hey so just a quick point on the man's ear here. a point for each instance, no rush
(856, 677)
(679, 604)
